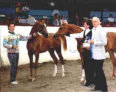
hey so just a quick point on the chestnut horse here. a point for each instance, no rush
(110, 48)
(41, 43)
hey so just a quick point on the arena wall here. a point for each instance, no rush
(70, 54)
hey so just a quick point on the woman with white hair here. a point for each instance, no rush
(98, 42)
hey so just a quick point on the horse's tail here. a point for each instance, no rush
(63, 39)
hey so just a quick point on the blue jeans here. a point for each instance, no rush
(13, 58)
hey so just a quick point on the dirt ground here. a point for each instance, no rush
(46, 83)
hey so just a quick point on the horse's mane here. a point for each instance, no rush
(75, 28)
(33, 28)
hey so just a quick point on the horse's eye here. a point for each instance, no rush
(42, 27)
(60, 29)
(70, 29)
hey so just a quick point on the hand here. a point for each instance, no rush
(88, 48)
(21, 36)
(29, 37)
(67, 34)
(34, 34)
(14, 47)
(91, 42)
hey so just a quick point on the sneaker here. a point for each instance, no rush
(14, 82)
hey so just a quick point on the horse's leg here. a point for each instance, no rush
(113, 59)
(35, 65)
(58, 50)
(82, 80)
(30, 54)
(51, 51)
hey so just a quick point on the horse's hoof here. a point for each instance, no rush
(33, 79)
(63, 75)
(54, 75)
(30, 78)
(83, 81)
(113, 77)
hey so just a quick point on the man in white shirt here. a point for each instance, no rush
(110, 19)
(99, 40)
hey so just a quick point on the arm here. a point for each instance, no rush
(24, 38)
(102, 39)
(6, 44)
(77, 35)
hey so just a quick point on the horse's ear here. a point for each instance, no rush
(43, 22)
(38, 21)
(64, 24)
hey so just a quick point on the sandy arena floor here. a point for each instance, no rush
(46, 83)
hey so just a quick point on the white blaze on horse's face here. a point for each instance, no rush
(39, 33)
(45, 25)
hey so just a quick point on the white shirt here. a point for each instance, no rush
(80, 35)
(57, 22)
(100, 40)
(61, 21)
(110, 19)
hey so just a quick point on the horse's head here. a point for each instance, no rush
(67, 28)
(40, 27)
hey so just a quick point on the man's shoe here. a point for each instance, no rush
(96, 90)
(86, 84)
(14, 82)
(91, 85)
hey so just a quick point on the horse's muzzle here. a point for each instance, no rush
(55, 36)
(46, 35)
